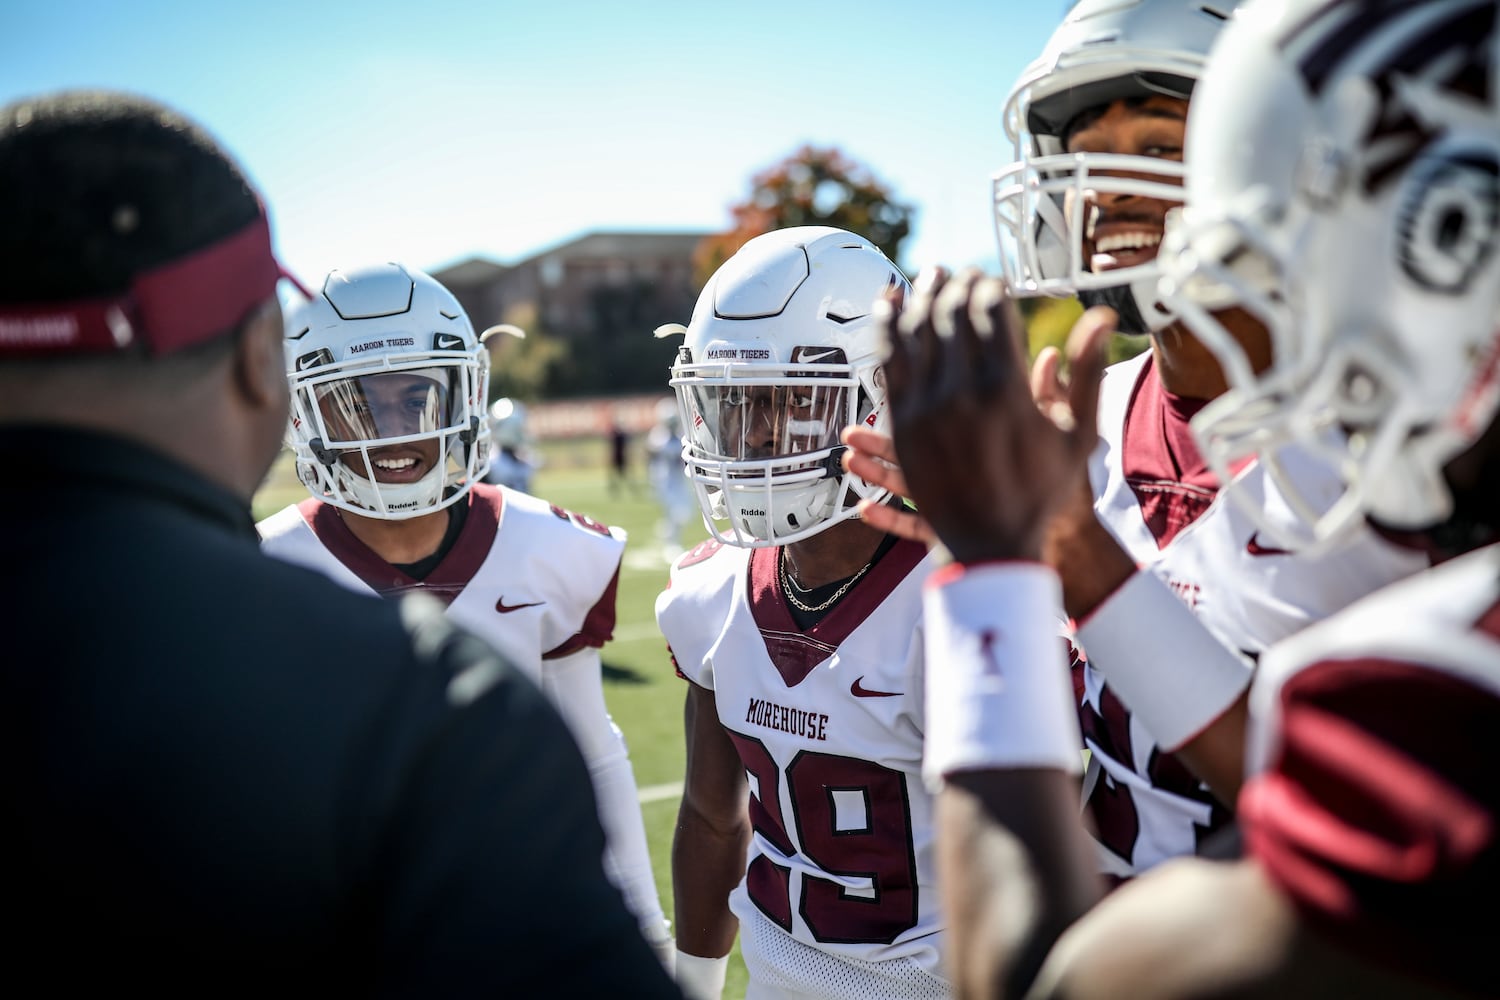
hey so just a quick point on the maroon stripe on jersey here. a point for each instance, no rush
(1160, 460)
(598, 624)
(1379, 814)
(448, 578)
(794, 652)
(472, 547)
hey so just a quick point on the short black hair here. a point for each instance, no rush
(99, 186)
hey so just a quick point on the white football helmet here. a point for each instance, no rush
(1105, 50)
(1344, 187)
(388, 378)
(781, 355)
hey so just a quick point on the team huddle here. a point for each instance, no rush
(1003, 676)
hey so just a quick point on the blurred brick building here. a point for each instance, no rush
(601, 294)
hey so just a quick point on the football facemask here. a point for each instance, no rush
(1054, 238)
(764, 445)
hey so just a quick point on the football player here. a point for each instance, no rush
(1098, 126)
(512, 462)
(798, 630)
(1363, 233)
(389, 433)
(664, 466)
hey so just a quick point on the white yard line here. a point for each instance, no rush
(640, 630)
(660, 793)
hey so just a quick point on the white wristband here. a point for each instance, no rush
(998, 690)
(1170, 671)
(701, 978)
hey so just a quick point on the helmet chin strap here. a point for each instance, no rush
(419, 495)
(1126, 301)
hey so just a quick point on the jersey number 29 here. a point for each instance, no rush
(877, 859)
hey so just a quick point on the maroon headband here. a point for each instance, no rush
(185, 302)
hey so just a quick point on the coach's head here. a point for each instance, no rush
(137, 285)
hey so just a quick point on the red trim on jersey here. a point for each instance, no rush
(448, 578)
(1379, 815)
(1159, 458)
(794, 652)
(698, 553)
(598, 625)
(1489, 622)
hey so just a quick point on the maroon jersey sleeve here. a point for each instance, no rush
(598, 625)
(1377, 815)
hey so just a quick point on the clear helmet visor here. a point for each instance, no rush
(739, 422)
(376, 407)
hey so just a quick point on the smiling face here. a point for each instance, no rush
(1124, 229)
(391, 405)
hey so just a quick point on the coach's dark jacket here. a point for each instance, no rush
(225, 774)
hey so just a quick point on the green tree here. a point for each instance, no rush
(521, 368)
(1049, 321)
(812, 187)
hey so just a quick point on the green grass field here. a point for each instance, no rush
(645, 696)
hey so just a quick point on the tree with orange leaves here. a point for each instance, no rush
(812, 187)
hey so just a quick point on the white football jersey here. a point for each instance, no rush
(538, 582)
(526, 575)
(1248, 593)
(839, 898)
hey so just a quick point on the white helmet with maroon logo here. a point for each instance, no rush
(388, 383)
(781, 355)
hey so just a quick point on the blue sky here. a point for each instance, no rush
(432, 132)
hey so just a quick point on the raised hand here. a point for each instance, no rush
(986, 465)
(872, 456)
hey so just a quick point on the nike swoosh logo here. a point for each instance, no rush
(506, 609)
(860, 691)
(809, 359)
(1256, 549)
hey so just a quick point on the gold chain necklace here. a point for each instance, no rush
(787, 586)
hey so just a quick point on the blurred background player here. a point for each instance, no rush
(668, 482)
(1363, 233)
(619, 456)
(389, 434)
(228, 775)
(512, 458)
(797, 627)
(1098, 125)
